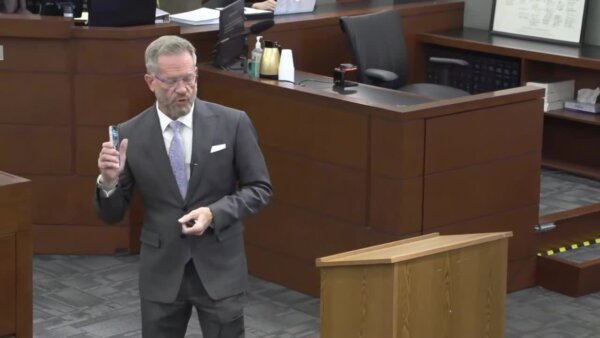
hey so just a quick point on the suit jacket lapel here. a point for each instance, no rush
(204, 128)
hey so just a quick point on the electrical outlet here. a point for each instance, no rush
(1, 53)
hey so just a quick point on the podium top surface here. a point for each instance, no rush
(408, 249)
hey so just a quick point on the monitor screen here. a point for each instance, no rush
(119, 13)
(231, 44)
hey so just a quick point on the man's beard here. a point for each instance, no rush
(175, 111)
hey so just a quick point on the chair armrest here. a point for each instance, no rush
(453, 61)
(380, 75)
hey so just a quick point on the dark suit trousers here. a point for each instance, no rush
(221, 318)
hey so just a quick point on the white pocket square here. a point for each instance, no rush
(217, 147)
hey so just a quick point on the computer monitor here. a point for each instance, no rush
(232, 43)
(119, 13)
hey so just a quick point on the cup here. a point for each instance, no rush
(286, 66)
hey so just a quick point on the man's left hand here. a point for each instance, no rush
(202, 218)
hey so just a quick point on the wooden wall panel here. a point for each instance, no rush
(88, 142)
(8, 299)
(327, 189)
(479, 190)
(371, 236)
(35, 98)
(396, 206)
(512, 220)
(300, 233)
(397, 148)
(315, 129)
(450, 139)
(101, 100)
(83, 240)
(65, 200)
(296, 273)
(44, 55)
(521, 274)
(109, 56)
(30, 150)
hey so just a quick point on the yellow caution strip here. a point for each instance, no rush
(573, 246)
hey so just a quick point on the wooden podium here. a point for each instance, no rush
(426, 286)
(16, 251)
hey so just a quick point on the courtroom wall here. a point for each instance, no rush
(478, 14)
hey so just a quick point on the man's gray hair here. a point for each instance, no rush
(167, 45)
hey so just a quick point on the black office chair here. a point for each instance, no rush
(379, 50)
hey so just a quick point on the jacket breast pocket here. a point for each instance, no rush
(150, 238)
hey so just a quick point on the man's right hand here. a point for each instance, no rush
(109, 164)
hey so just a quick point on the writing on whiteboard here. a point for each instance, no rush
(548, 19)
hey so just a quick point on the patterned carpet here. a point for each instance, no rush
(96, 296)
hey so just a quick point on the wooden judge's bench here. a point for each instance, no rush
(348, 171)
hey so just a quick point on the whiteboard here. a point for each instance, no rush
(556, 20)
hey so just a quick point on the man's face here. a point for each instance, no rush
(174, 84)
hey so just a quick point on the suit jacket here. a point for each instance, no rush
(232, 182)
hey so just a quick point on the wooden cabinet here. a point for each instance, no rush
(571, 139)
(361, 167)
(15, 257)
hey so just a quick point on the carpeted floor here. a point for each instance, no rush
(96, 296)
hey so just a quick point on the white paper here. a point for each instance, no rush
(200, 16)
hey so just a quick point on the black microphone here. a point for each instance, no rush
(257, 28)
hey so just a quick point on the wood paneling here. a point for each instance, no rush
(570, 141)
(480, 190)
(573, 144)
(88, 142)
(8, 271)
(396, 206)
(83, 240)
(397, 148)
(65, 200)
(296, 273)
(110, 56)
(46, 55)
(36, 150)
(321, 194)
(299, 233)
(450, 138)
(35, 98)
(61, 87)
(327, 189)
(101, 100)
(568, 277)
(15, 257)
(379, 293)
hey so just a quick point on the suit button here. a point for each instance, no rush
(185, 209)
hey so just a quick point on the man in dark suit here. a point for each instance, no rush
(199, 171)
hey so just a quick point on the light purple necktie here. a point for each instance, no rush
(177, 157)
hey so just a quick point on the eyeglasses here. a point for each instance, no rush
(187, 80)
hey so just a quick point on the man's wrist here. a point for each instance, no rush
(106, 186)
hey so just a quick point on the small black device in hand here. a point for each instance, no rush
(113, 134)
(190, 223)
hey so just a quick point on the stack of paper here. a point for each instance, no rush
(556, 92)
(200, 16)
